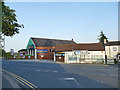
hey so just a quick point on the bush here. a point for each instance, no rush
(8, 55)
(18, 57)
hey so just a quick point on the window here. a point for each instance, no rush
(75, 58)
(72, 58)
(50, 50)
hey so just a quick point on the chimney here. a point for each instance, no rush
(105, 41)
(72, 39)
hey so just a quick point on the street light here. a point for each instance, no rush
(105, 41)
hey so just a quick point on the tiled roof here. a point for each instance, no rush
(86, 46)
(49, 42)
(22, 50)
(112, 43)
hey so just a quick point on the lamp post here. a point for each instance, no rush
(105, 51)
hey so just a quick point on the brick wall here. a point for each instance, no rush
(48, 55)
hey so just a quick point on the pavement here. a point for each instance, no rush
(8, 82)
(48, 74)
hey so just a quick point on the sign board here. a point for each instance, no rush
(26, 53)
(60, 54)
(12, 52)
(21, 54)
(114, 48)
(82, 52)
(42, 51)
(31, 47)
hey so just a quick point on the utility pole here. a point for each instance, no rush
(105, 51)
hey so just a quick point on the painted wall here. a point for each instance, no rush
(30, 43)
(111, 51)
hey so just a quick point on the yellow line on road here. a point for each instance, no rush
(21, 79)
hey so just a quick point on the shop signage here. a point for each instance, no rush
(114, 48)
(82, 52)
(31, 47)
(60, 54)
(21, 54)
(42, 51)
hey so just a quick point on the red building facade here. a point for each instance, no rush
(42, 48)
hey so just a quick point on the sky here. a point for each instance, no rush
(82, 21)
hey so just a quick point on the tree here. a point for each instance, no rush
(101, 37)
(10, 25)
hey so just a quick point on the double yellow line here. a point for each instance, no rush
(20, 79)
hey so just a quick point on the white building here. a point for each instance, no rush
(112, 49)
(80, 53)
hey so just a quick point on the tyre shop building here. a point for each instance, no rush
(23, 52)
(42, 48)
(80, 53)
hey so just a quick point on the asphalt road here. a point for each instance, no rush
(46, 74)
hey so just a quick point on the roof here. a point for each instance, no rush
(49, 42)
(22, 50)
(112, 43)
(83, 46)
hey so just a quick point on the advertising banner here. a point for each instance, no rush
(31, 47)
(42, 51)
(58, 54)
(12, 52)
(21, 54)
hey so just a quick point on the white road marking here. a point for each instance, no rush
(99, 81)
(37, 70)
(68, 78)
(71, 79)
(55, 71)
(103, 74)
(114, 75)
(43, 70)
(46, 71)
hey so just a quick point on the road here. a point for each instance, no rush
(46, 74)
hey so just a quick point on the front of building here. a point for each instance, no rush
(112, 49)
(42, 48)
(80, 53)
(23, 52)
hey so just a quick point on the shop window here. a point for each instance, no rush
(75, 58)
(70, 58)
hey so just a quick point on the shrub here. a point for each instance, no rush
(18, 57)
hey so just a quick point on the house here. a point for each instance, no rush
(80, 53)
(112, 49)
(43, 48)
